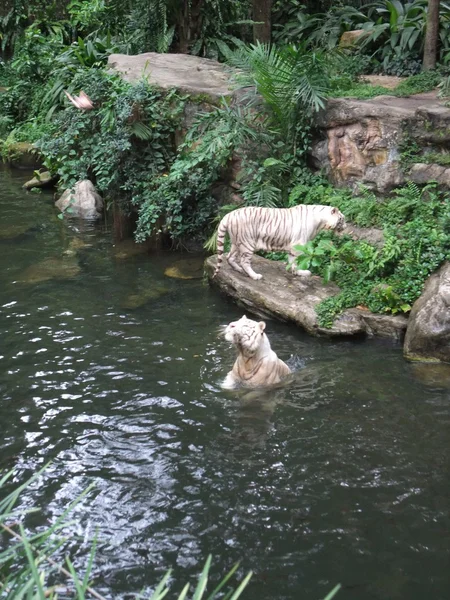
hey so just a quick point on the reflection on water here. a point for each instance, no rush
(112, 371)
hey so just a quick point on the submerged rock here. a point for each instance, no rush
(190, 268)
(129, 248)
(141, 298)
(428, 334)
(9, 232)
(286, 297)
(41, 180)
(76, 244)
(51, 268)
(435, 374)
(81, 201)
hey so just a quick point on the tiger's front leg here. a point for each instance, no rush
(294, 270)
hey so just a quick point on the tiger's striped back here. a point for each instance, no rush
(256, 228)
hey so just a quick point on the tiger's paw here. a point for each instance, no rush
(256, 276)
(304, 273)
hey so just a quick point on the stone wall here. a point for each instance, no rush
(360, 141)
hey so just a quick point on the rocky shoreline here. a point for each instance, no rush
(288, 298)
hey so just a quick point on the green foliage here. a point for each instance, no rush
(89, 52)
(424, 82)
(437, 158)
(395, 30)
(183, 195)
(416, 84)
(88, 17)
(390, 278)
(223, 27)
(362, 91)
(444, 87)
(122, 145)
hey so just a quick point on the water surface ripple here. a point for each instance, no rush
(341, 477)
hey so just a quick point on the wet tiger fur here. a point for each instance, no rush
(255, 228)
(256, 364)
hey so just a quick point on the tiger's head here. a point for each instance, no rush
(335, 219)
(247, 335)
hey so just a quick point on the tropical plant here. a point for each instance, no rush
(390, 277)
(92, 51)
(292, 81)
(122, 145)
(395, 31)
(183, 195)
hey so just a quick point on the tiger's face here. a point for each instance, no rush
(245, 334)
(336, 220)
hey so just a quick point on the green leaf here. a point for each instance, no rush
(270, 162)
(201, 585)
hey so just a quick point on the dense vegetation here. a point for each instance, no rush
(416, 226)
(126, 146)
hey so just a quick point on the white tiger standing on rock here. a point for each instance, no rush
(257, 364)
(255, 228)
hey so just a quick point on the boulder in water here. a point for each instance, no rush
(41, 180)
(51, 268)
(428, 333)
(136, 300)
(129, 248)
(9, 232)
(81, 201)
(189, 268)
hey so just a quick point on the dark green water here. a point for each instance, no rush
(342, 477)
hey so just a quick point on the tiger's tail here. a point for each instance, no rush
(221, 233)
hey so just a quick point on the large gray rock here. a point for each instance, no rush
(190, 74)
(23, 155)
(41, 180)
(82, 201)
(361, 139)
(291, 298)
(428, 333)
(423, 173)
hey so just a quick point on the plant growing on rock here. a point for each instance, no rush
(389, 278)
(183, 195)
(122, 145)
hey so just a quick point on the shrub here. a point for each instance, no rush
(416, 226)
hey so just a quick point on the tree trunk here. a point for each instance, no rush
(262, 12)
(431, 36)
(189, 23)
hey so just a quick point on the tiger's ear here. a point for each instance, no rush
(262, 325)
(334, 211)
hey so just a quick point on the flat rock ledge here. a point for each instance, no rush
(293, 299)
(186, 73)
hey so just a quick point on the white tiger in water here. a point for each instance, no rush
(256, 364)
(255, 228)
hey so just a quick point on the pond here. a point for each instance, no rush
(111, 370)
